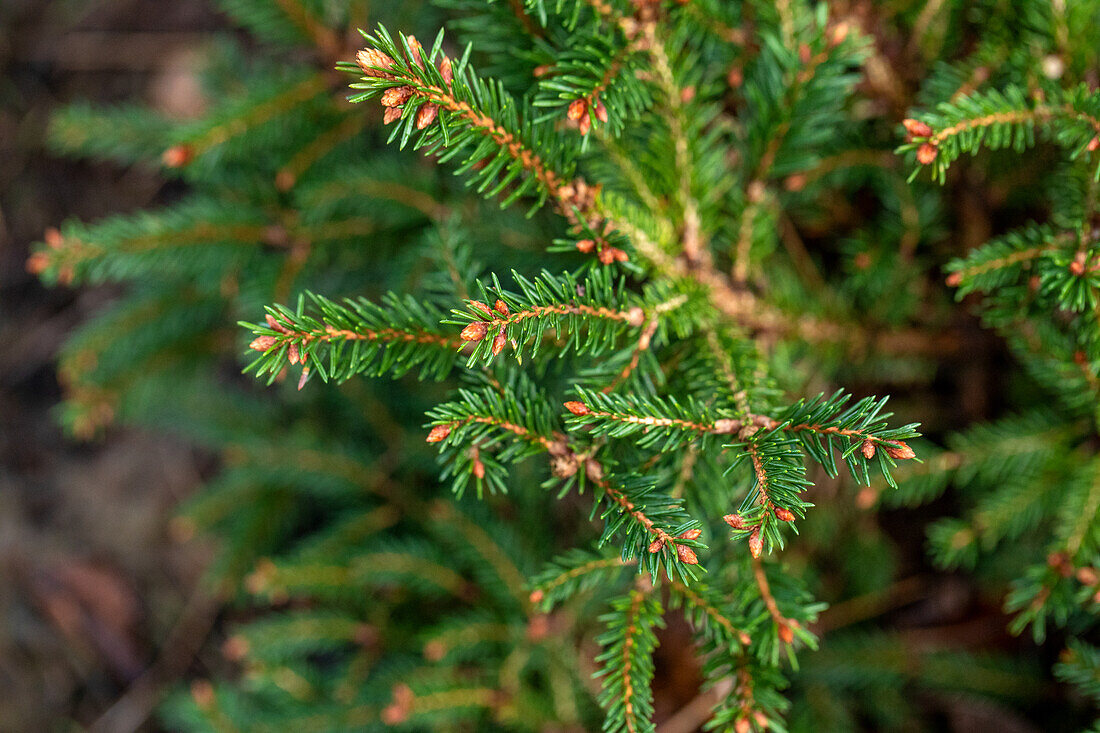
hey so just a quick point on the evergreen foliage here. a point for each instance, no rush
(619, 350)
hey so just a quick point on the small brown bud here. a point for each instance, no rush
(235, 648)
(391, 114)
(656, 545)
(541, 71)
(1077, 267)
(585, 125)
(601, 112)
(606, 255)
(744, 638)
(686, 555)
(742, 726)
(498, 342)
(805, 55)
(577, 408)
(446, 71)
(691, 534)
(303, 379)
(53, 238)
(373, 62)
(435, 650)
(735, 521)
(37, 263)
(756, 542)
(479, 469)
(438, 433)
(577, 109)
(263, 343)
(786, 635)
(501, 307)
(481, 307)
(926, 153)
(586, 245)
(396, 96)
(426, 115)
(536, 596)
(735, 78)
(635, 317)
(795, 182)
(273, 322)
(838, 34)
(538, 627)
(394, 715)
(868, 449)
(784, 514)
(687, 94)
(898, 450)
(415, 48)
(1087, 576)
(475, 331)
(292, 354)
(178, 156)
(202, 692)
(619, 255)
(954, 280)
(916, 128)
(1094, 144)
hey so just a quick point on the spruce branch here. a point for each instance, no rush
(355, 337)
(627, 662)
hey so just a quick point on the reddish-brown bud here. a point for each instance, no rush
(744, 638)
(954, 280)
(37, 263)
(898, 450)
(742, 726)
(838, 34)
(446, 71)
(691, 534)
(926, 153)
(178, 156)
(479, 469)
(53, 238)
(786, 634)
(577, 109)
(292, 354)
(735, 521)
(805, 55)
(735, 78)
(475, 331)
(438, 433)
(235, 648)
(415, 48)
(656, 545)
(481, 307)
(1094, 144)
(536, 596)
(756, 542)
(396, 96)
(304, 378)
(373, 62)
(795, 182)
(619, 255)
(577, 408)
(606, 255)
(635, 317)
(1087, 576)
(391, 114)
(426, 115)
(586, 245)
(263, 343)
(273, 322)
(585, 125)
(916, 128)
(601, 112)
(501, 307)
(498, 342)
(686, 555)
(868, 449)
(784, 514)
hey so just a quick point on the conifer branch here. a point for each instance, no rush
(628, 662)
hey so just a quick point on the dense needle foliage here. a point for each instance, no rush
(674, 233)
